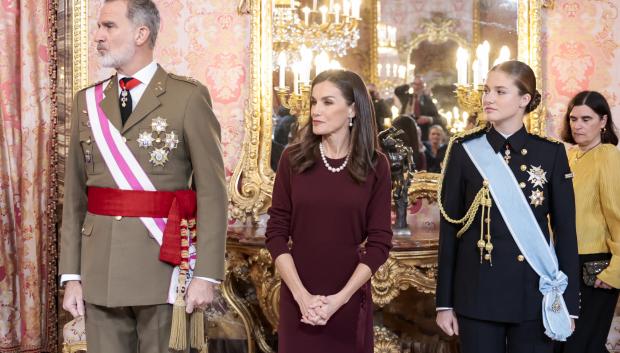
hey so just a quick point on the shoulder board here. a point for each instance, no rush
(184, 78)
(547, 138)
(467, 134)
(96, 83)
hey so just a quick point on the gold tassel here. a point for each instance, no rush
(178, 332)
(197, 329)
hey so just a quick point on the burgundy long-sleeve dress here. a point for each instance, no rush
(328, 216)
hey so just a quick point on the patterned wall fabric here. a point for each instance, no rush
(216, 54)
(25, 135)
(581, 51)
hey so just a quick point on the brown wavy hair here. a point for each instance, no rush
(364, 143)
(525, 80)
(597, 102)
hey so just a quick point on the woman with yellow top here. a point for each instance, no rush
(595, 164)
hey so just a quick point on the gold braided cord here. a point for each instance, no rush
(480, 198)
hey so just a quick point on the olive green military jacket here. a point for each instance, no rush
(116, 256)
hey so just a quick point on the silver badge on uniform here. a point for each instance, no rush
(160, 146)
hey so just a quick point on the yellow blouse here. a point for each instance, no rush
(596, 180)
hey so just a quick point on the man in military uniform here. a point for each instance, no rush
(165, 124)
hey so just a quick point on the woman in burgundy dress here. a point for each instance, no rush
(331, 194)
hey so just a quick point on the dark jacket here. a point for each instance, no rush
(507, 291)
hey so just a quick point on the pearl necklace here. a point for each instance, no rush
(329, 167)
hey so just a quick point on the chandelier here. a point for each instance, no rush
(331, 26)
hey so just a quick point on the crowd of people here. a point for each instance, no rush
(529, 235)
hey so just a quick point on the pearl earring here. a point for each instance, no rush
(350, 121)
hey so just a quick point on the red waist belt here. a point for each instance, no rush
(174, 205)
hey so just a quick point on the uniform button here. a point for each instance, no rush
(88, 142)
(83, 229)
(118, 218)
(520, 258)
(522, 185)
(524, 151)
(523, 167)
(124, 139)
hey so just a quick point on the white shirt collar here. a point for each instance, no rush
(144, 75)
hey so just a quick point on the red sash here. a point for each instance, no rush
(174, 205)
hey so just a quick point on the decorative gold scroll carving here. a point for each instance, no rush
(397, 275)
(385, 341)
(267, 282)
(252, 181)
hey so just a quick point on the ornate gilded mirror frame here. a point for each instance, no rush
(252, 182)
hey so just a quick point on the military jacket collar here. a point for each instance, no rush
(516, 141)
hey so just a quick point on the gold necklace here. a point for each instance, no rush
(580, 155)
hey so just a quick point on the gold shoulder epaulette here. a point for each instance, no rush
(96, 83)
(467, 133)
(184, 78)
(550, 139)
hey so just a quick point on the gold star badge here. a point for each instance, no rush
(159, 157)
(536, 198)
(538, 176)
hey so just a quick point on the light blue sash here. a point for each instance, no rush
(520, 220)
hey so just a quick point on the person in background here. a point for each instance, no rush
(435, 148)
(416, 101)
(382, 111)
(595, 164)
(411, 138)
(331, 200)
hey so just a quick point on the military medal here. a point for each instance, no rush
(159, 125)
(507, 154)
(159, 157)
(145, 139)
(537, 198)
(538, 176)
(171, 140)
(124, 98)
(160, 146)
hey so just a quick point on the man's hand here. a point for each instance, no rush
(446, 320)
(73, 301)
(199, 295)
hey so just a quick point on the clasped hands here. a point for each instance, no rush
(317, 309)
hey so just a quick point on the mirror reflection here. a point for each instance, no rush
(423, 48)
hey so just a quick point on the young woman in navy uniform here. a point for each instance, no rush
(487, 288)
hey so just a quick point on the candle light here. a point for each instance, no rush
(462, 56)
(379, 69)
(337, 13)
(306, 64)
(295, 68)
(282, 64)
(355, 8)
(484, 61)
(504, 55)
(292, 3)
(323, 11)
(346, 7)
(314, 2)
(321, 62)
(306, 12)
(476, 72)
(331, 5)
